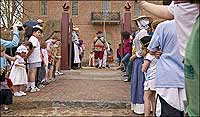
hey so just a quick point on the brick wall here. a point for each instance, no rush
(83, 20)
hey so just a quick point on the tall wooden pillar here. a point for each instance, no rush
(65, 38)
(127, 17)
(126, 25)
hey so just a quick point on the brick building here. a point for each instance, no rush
(88, 16)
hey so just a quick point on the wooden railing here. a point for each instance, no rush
(105, 17)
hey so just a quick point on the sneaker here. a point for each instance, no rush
(23, 94)
(126, 80)
(28, 89)
(51, 79)
(41, 86)
(33, 90)
(37, 89)
(17, 94)
(45, 82)
(125, 75)
(60, 73)
(56, 74)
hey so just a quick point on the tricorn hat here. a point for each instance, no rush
(99, 32)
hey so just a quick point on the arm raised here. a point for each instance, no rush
(160, 11)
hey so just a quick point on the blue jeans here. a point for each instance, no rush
(125, 60)
(129, 69)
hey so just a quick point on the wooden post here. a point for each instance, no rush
(122, 42)
(127, 18)
(65, 38)
(70, 43)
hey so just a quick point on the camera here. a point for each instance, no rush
(19, 28)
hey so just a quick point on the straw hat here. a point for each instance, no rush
(142, 17)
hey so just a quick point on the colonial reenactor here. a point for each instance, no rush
(99, 47)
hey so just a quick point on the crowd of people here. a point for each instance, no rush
(34, 64)
(35, 61)
(161, 60)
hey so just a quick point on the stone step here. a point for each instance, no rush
(62, 111)
(72, 104)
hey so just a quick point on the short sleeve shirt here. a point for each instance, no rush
(36, 55)
(151, 71)
(185, 15)
(170, 62)
(3, 62)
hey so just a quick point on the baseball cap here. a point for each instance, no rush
(21, 49)
(40, 21)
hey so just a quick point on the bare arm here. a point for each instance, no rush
(10, 57)
(133, 57)
(145, 65)
(160, 11)
(157, 54)
(20, 65)
(30, 52)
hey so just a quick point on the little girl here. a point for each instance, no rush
(18, 73)
(149, 68)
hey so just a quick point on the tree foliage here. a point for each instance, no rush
(12, 11)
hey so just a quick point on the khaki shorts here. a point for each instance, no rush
(34, 65)
(149, 85)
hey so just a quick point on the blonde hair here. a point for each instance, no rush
(155, 23)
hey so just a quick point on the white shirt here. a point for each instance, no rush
(45, 55)
(185, 15)
(137, 43)
(36, 54)
(151, 71)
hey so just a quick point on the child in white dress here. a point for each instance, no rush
(18, 73)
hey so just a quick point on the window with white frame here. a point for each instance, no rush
(74, 7)
(105, 8)
(136, 10)
(44, 7)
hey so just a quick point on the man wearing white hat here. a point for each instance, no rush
(40, 22)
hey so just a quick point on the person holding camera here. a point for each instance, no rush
(15, 40)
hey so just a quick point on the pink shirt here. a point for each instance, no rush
(127, 46)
